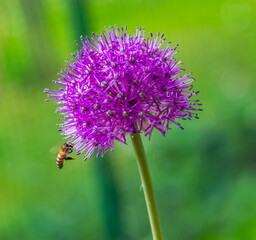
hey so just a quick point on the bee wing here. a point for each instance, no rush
(54, 149)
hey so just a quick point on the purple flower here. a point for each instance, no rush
(117, 84)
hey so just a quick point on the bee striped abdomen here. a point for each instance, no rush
(60, 160)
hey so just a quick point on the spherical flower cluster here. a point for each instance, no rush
(117, 84)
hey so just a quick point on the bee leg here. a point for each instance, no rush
(69, 158)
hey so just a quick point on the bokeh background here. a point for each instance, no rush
(204, 176)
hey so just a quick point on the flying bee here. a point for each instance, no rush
(65, 149)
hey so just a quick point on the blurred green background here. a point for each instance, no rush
(204, 177)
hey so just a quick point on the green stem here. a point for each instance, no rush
(147, 186)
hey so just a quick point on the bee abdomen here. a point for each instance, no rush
(59, 162)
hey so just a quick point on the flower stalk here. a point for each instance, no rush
(147, 186)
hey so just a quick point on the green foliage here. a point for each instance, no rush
(204, 177)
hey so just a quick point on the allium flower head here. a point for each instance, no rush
(117, 84)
